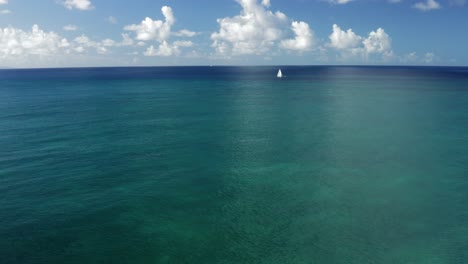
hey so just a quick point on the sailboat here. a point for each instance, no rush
(280, 74)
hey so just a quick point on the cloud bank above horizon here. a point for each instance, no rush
(256, 33)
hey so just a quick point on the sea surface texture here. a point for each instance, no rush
(329, 165)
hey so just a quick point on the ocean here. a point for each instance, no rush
(332, 165)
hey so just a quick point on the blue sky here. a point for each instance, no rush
(63, 33)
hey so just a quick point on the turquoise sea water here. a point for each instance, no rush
(348, 165)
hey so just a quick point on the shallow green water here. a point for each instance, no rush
(330, 165)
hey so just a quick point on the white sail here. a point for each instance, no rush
(280, 74)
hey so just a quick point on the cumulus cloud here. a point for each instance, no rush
(37, 47)
(83, 43)
(429, 57)
(108, 42)
(16, 42)
(166, 49)
(31, 48)
(78, 4)
(340, 39)
(303, 40)
(3, 2)
(427, 6)
(256, 30)
(349, 43)
(70, 28)
(162, 50)
(150, 29)
(377, 42)
(160, 31)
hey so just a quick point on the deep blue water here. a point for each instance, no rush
(232, 165)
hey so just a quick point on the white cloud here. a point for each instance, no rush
(183, 43)
(350, 45)
(150, 29)
(340, 39)
(78, 4)
(394, 1)
(64, 43)
(112, 20)
(413, 58)
(160, 31)
(257, 29)
(429, 57)
(40, 48)
(4, 11)
(427, 6)
(339, 2)
(266, 3)
(70, 28)
(79, 49)
(16, 42)
(126, 40)
(20, 44)
(83, 43)
(409, 58)
(32, 48)
(377, 42)
(102, 50)
(303, 40)
(108, 42)
(166, 49)
(254, 31)
(185, 33)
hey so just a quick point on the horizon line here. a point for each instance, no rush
(240, 65)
